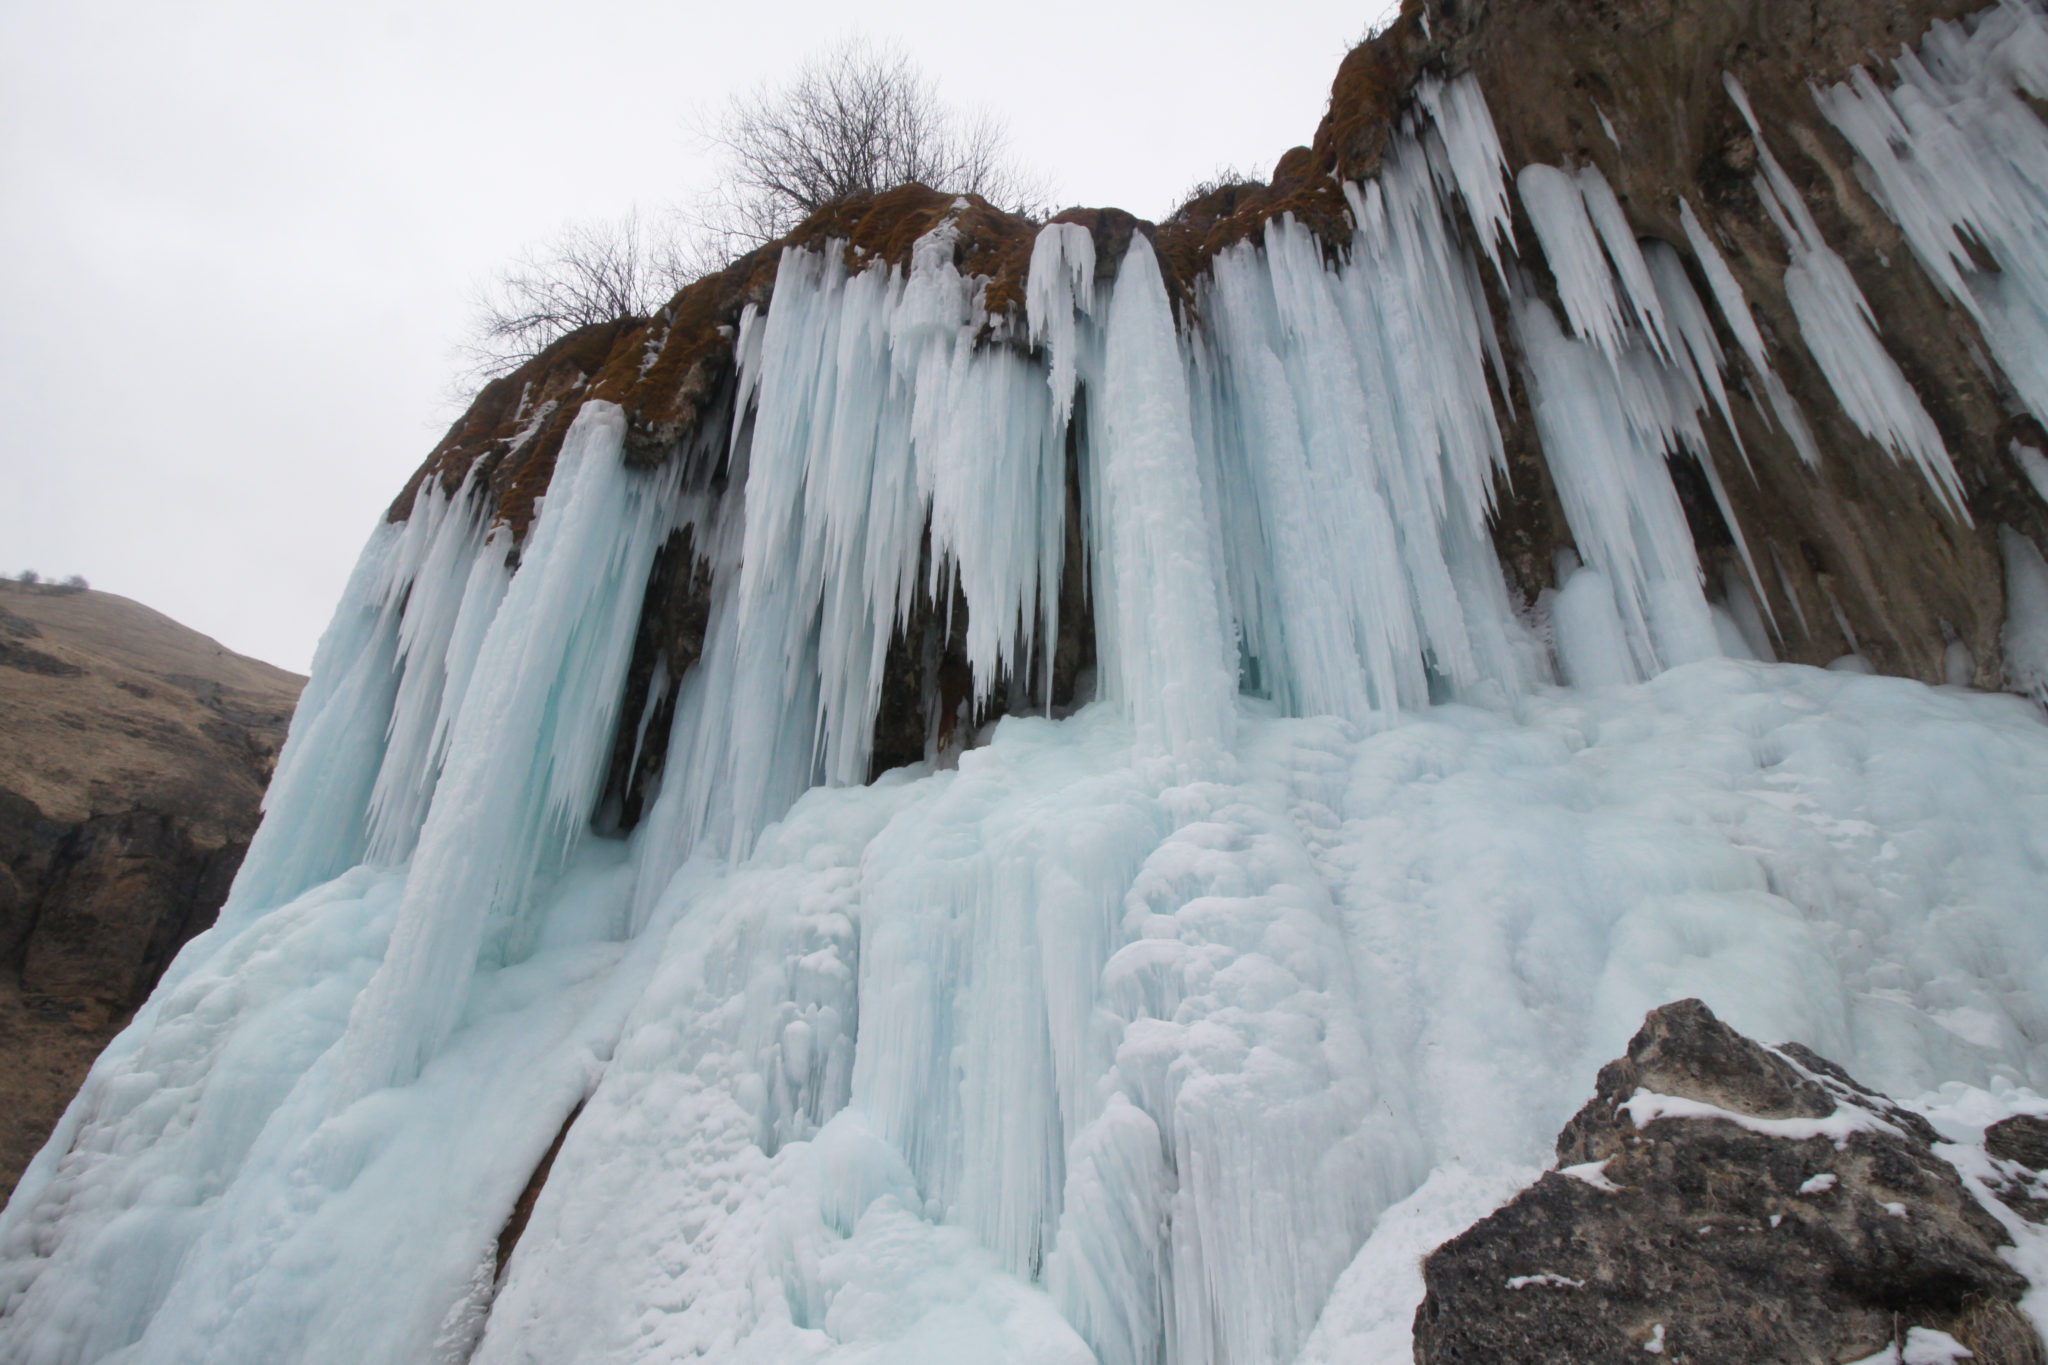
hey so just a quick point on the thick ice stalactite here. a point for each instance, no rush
(1119, 1035)
(1172, 666)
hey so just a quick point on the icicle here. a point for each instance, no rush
(1955, 155)
(1702, 361)
(1061, 283)
(1727, 292)
(1459, 110)
(1627, 258)
(526, 754)
(1735, 311)
(1175, 675)
(2034, 465)
(1606, 432)
(1571, 244)
(1841, 332)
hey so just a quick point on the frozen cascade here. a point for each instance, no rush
(526, 753)
(1154, 1034)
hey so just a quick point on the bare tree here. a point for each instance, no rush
(599, 271)
(856, 118)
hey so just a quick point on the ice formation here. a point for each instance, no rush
(1168, 1031)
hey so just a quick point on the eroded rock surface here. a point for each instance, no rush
(1721, 1201)
(133, 757)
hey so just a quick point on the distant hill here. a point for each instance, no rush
(133, 757)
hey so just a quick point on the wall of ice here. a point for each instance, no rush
(1121, 1035)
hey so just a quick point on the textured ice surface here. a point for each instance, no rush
(1048, 1051)
(1171, 1031)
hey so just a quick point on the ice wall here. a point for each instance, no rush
(1116, 1035)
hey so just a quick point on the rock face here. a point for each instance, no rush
(1844, 542)
(1721, 1201)
(1865, 560)
(133, 757)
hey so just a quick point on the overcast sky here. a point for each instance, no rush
(241, 238)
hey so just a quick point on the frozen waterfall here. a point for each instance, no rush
(1149, 1033)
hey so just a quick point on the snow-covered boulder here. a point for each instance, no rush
(1718, 1200)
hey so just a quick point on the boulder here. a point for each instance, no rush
(1722, 1201)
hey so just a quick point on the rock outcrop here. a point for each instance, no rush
(133, 757)
(1718, 1201)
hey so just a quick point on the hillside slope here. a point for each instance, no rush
(133, 757)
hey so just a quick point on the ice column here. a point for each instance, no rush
(526, 754)
(1173, 658)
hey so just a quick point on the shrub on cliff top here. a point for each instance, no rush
(857, 118)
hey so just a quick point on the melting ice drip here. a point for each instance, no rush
(1120, 1039)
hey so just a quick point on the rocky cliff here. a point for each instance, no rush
(1629, 347)
(1702, 117)
(133, 756)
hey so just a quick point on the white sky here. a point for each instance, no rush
(239, 237)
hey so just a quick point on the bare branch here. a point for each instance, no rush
(855, 119)
(592, 272)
